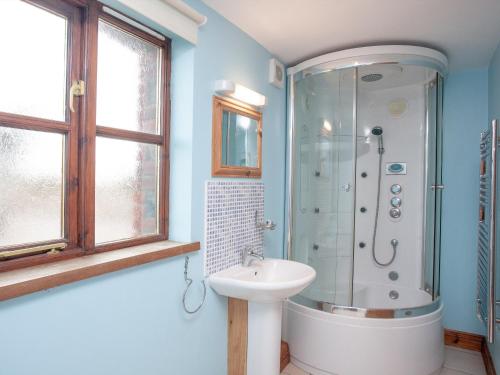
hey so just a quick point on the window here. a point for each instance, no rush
(84, 125)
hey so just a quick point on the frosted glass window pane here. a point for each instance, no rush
(31, 186)
(33, 64)
(126, 192)
(127, 81)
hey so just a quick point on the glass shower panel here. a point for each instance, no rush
(439, 181)
(323, 186)
(432, 190)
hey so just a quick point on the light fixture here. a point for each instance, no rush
(327, 125)
(239, 92)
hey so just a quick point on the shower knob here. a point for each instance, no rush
(395, 202)
(395, 213)
(396, 189)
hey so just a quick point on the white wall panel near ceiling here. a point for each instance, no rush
(174, 15)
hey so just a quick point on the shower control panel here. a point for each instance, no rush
(395, 168)
(396, 201)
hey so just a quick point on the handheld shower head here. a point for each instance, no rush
(377, 131)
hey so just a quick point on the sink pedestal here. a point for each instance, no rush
(264, 338)
(254, 332)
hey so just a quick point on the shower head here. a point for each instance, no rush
(377, 131)
(372, 77)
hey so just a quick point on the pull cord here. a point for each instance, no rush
(188, 284)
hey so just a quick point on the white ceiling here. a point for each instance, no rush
(467, 31)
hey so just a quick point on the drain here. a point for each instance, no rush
(393, 294)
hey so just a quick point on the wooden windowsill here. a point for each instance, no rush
(33, 279)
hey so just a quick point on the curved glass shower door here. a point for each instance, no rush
(433, 182)
(323, 190)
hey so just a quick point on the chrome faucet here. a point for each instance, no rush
(249, 255)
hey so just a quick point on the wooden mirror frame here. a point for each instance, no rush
(219, 105)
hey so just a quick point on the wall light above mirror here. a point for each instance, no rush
(239, 92)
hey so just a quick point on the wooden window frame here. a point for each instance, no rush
(81, 131)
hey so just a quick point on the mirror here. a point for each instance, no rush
(236, 139)
(239, 140)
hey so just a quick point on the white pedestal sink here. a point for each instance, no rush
(264, 284)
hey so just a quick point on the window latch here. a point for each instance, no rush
(77, 89)
(51, 248)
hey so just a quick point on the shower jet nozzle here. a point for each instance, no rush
(377, 131)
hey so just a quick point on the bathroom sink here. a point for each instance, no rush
(264, 280)
(264, 284)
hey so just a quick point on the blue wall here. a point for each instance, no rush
(243, 61)
(465, 114)
(494, 86)
(131, 322)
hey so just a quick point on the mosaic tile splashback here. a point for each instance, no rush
(230, 224)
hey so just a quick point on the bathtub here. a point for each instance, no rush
(365, 341)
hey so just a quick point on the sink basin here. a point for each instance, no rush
(263, 281)
(264, 284)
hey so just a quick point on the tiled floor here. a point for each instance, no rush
(456, 362)
(461, 362)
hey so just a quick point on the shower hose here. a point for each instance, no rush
(375, 226)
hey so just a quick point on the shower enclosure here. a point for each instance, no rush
(364, 210)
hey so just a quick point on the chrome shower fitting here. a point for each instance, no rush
(378, 131)
(394, 244)
(395, 213)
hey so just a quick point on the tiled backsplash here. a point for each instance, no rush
(230, 208)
